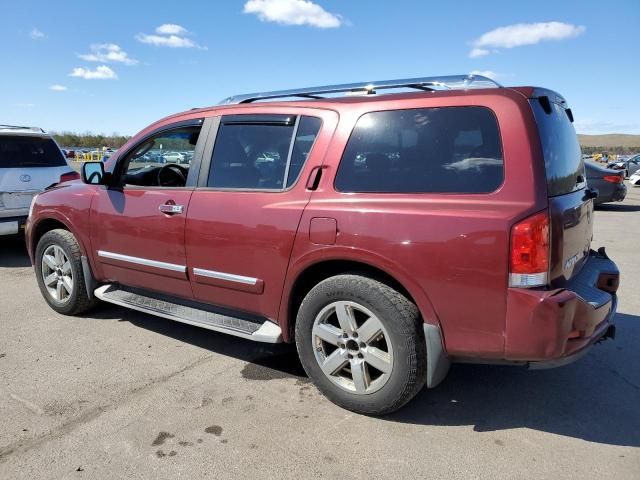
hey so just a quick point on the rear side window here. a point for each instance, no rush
(429, 150)
(563, 161)
(308, 129)
(23, 151)
(261, 154)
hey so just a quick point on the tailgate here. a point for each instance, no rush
(570, 204)
(571, 218)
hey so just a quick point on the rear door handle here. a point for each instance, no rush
(314, 177)
(171, 209)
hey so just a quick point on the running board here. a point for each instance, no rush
(267, 331)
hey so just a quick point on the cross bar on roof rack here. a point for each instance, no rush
(421, 83)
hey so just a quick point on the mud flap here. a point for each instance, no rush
(437, 359)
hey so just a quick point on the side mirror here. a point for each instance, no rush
(93, 173)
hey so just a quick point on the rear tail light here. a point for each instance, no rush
(66, 177)
(613, 178)
(529, 256)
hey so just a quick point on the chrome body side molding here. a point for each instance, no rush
(225, 276)
(142, 261)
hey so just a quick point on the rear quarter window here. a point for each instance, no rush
(24, 152)
(428, 150)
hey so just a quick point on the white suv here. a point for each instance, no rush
(30, 161)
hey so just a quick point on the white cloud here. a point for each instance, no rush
(100, 73)
(171, 29)
(169, 35)
(486, 73)
(36, 34)
(521, 34)
(58, 88)
(293, 12)
(107, 53)
(478, 52)
(25, 105)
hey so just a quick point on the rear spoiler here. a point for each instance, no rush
(546, 97)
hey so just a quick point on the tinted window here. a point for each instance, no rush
(255, 155)
(308, 129)
(562, 156)
(453, 150)
(22, 151)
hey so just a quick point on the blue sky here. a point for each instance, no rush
(159, 58)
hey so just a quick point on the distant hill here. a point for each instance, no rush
(612, 141)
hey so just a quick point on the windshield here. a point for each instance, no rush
(23, 151)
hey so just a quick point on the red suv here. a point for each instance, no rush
(385, 235)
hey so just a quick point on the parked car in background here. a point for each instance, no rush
(385, 235)
(30, 161)
(172, 157)
(629, 165)
(608, 182)
(635, 179)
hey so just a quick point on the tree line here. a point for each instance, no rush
(89, 140)
(612, 150)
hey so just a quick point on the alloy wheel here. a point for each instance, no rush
(57, 274)
(352, 347)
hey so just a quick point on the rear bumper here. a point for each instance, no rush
(552, 327)
(12, 225)
(615, 194)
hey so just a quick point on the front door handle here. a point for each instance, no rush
(171, 208)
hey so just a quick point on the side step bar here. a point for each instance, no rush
(267, 331)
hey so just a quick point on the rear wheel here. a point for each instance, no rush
(59, 273)
(362, 344)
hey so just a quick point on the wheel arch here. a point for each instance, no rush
(309, 275)
(45, 225)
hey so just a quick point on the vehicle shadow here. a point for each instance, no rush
(595, 399)
(277, 360)
(13, 253)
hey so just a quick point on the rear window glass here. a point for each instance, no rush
(563, 161)
(22, 151)
(428, 150)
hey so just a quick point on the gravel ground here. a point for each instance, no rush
(119, 394)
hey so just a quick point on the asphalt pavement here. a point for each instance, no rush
(120, 394)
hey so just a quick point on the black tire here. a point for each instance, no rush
(78, 301)
(402, 324)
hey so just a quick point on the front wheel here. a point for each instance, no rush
(362, 344)
(59, 273)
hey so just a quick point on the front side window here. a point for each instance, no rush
(163, 159)
(261, 156)
(428, 150)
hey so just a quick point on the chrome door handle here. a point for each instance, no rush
(171, 209)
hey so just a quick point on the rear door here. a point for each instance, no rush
(570, 206)
(244, 215)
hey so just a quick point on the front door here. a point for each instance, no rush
(138, 226)
(244, 215)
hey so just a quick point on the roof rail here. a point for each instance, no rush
(366, 88)
(17, 127)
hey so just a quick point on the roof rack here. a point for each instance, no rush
(450, 82)
(17, 127)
